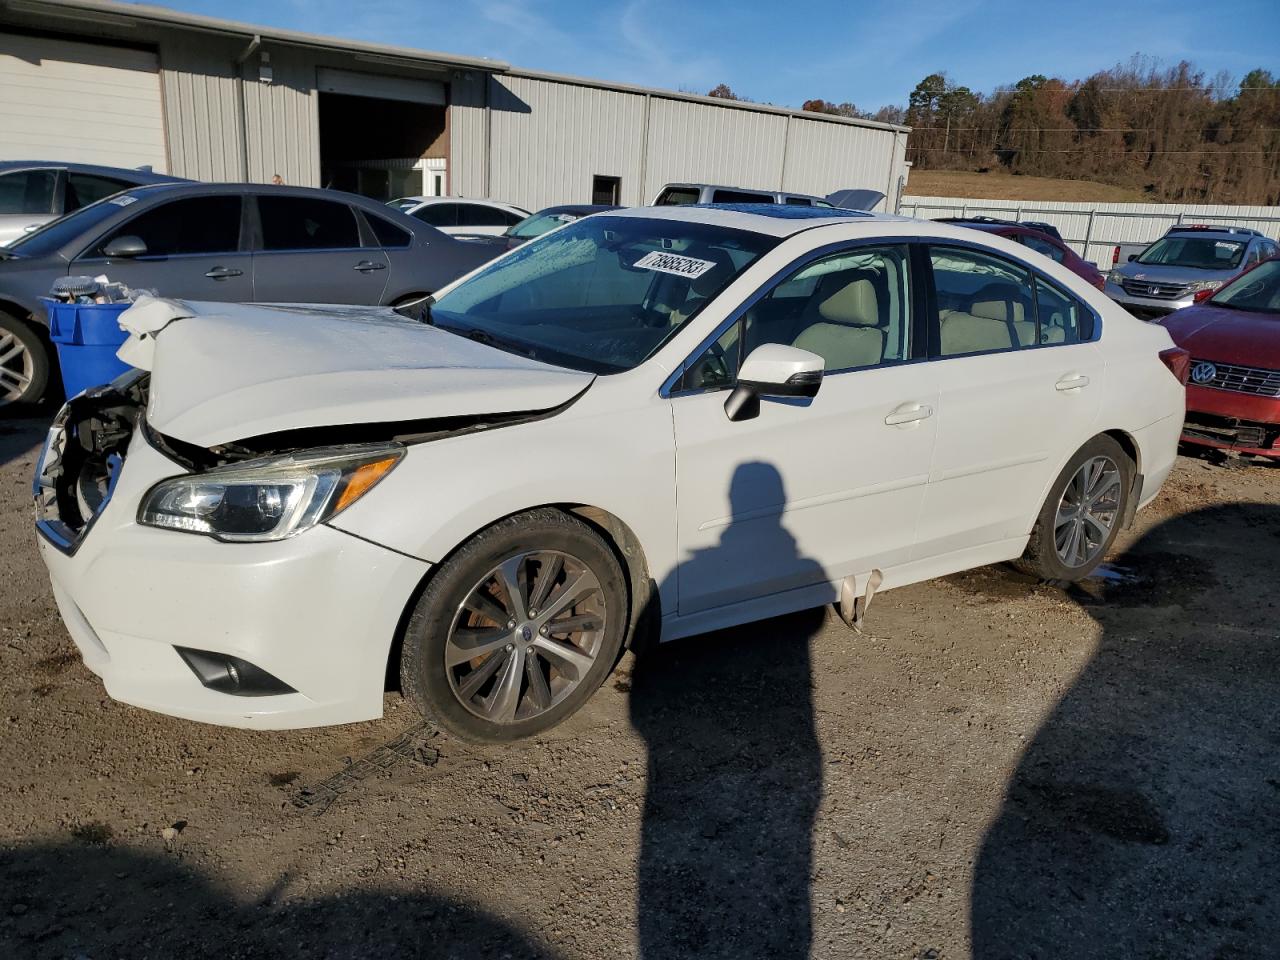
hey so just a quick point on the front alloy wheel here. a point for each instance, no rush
(517, 629)
(526, 636)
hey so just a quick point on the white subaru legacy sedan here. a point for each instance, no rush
(644, 425)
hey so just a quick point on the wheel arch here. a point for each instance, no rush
(643, 616)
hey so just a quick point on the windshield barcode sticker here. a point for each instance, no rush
(674, 263)
(122, 201)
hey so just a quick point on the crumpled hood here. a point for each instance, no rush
(222, 372)
(1225, 335)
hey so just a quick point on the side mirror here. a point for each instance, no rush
(1132, 257)
(123, 248)
(777, 371)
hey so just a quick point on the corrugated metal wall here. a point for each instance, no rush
(205, 141)
(468, 139)
(822, 157)
(1094, 229)
(547, 140)
(709, 144)
(283, 120)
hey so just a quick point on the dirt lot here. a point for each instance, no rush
(1003, 770)
(1008, 186)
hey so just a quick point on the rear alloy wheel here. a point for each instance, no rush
(24, 362)
(517, 630)
(1082, 515)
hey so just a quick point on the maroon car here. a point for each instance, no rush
(1233, 394)
(1037, 240)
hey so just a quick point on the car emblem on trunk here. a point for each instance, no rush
(1203, 372)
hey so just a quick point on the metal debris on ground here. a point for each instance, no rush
(412, 745)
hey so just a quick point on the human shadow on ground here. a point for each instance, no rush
(1142, 819)
(734, 767)
(90, 900)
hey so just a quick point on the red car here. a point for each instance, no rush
(1233, 394)
(1037, 240)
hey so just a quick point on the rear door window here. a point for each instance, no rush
(195, 225)
(1040, 245)
(1063, 318)
(27, 191)
(387, 233)
(304, 223)
(86, 188)
(676, 196)
(478, 215)
(740, 196)
(438, 214)
(985, 303)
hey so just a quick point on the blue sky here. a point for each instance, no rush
(871, 52)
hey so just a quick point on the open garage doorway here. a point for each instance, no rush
(379, 135)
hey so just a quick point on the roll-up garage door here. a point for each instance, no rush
(353, 84)
(81, 102)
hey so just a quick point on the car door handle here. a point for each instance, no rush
(222, 273)
(909, 413)
(1072, 382)
(364, 266)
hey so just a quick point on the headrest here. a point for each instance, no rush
(855, 303)
(999, 310)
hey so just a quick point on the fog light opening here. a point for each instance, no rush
(232, 675)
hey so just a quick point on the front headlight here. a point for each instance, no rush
(1115, 276)
(271, 498)
(1196, 286)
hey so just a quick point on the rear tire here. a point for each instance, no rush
(492, 668)
(24, 362)
(1082, 515)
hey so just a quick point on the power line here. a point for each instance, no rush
(1080, 149)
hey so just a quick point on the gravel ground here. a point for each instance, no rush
(1003, 769)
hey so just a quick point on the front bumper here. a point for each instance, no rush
(1229, 420)
(319, 611)
(1145, 308)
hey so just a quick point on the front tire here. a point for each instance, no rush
(515, 631)
(1082, 515)
(24, 362)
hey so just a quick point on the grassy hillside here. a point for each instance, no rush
(1006, 186)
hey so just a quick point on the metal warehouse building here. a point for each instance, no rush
(132, 85)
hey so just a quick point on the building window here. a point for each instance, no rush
(606, 190)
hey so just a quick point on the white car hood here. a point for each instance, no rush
(222, 372)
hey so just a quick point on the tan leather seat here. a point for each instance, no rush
(1008, 311)
(964, 333)
(849, 333)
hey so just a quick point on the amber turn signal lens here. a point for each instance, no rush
(361, 481)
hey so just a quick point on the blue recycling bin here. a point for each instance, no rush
(87, 336)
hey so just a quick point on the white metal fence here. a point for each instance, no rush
(1095, 229)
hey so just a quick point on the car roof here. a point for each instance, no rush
(478, 201)
(772, 219)
(1239, 234)
(577, 208)
(140, 176)
(728, 186)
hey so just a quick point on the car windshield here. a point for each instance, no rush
(1257, 291)
(56, 234)
(1199, 253)
(602, 294)
(539, 223)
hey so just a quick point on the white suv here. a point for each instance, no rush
(654, 422)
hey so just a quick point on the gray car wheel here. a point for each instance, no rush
(24, 362)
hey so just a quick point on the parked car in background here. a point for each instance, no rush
(207, 241)
(536, 224)
(1233, 336)
(679, 194)
(1044, 227)
(1185, 261)
(461, 216)
(662, 419)
(1036, 239)
(33, 192)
